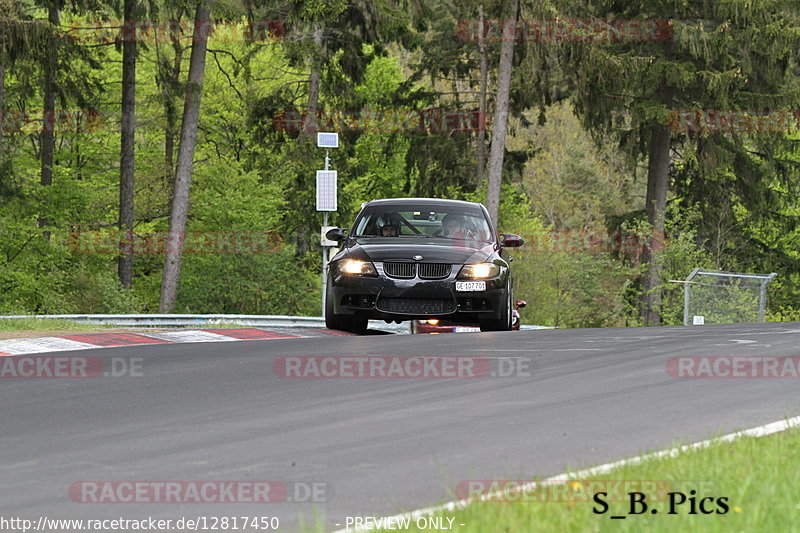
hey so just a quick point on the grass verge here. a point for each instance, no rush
(26, 328)
(61, 324)
(46, 324)
(757, 476)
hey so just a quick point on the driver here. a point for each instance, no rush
(388, 226)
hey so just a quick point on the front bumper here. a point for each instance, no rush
(387, 298)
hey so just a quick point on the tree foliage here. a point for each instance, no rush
(577, 159)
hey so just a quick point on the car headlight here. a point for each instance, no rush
(479, 271)
(354, 267)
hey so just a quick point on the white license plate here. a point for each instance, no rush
(470, 286)
(466, 329)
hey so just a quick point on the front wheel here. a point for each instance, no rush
(349, 323)
(504, 321)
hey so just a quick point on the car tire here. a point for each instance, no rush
(504, 321)
(352, 324)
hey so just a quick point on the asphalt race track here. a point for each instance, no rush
(217, 411)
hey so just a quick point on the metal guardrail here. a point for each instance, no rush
(187, 320)
(181, 320)
(177, 320)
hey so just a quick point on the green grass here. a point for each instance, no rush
(759, 476)
(57, 324)
(45, 324)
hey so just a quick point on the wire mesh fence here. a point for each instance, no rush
(718, 297)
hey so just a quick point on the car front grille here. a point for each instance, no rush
(411, 306)
(434, 270)
(399, 270)
(406, 270)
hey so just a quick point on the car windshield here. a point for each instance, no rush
(404, 220)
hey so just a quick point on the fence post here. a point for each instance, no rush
(762, 297)
(686, 296)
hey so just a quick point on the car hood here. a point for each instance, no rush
(431, 250)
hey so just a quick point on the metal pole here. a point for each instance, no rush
(762, 297)
(686, 304)
(324, 248)
(686, 296)
(324, 265)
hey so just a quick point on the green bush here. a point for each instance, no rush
(270, 283)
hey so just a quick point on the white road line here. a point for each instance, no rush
(759, 431)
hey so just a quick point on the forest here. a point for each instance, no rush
(160, 155)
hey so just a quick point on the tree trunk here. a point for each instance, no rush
(183, 173)
(310, 126)
(657, 185)
(169, 83)
(47, 140)
(2, 102)
(500, 121)
(172, 79)
(481, 140)
(47, 135)
(126, 157)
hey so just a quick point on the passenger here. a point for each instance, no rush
(453, 226)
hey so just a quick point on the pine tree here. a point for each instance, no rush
(714, 55)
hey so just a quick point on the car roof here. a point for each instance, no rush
(424, 201)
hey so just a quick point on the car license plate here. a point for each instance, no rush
(466, 329)
(470, 286)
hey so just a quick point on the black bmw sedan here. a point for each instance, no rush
(420, 258)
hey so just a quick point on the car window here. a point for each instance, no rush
(417, 221)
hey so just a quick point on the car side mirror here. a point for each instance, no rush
(519, 304)
(336, 234)
(511, 240)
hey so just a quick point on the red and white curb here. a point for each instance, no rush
(86, 341)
